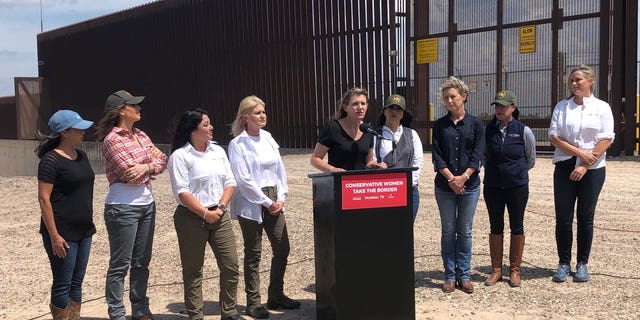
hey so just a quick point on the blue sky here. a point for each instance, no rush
(20, 25)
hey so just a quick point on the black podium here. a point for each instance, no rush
(363, 236)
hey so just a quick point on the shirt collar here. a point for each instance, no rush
(122, 131)
(466, 114)
(588, 100)
(262, 133)
(585, 100)
(389, 129)
(188, 147)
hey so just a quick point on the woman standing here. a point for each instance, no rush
(131, 160)
(348, 147)
(401, 146)
(65, 194)
(258, 204)
(458, 143)
(581, 130)
(509, 155)
(202, 183)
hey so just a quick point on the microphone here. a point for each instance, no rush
(365, 127)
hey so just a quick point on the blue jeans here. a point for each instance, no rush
(130, 229)
(416, 201)
(456, 217)
(68, 272)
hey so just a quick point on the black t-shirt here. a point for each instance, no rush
(344, 152)
(72, 194)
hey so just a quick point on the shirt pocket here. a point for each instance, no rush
(199, 176)
(591, 122)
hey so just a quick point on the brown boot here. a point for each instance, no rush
(74, 310)
(515, 259)
(59, 314)
(495, 249)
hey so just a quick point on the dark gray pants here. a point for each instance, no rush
(130, 229)
(276, 230)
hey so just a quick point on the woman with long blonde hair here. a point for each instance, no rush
(258, 204)
(581, 130)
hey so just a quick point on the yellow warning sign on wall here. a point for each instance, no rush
(427, 50)
(527, 39)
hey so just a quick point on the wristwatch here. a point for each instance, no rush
(223, 208)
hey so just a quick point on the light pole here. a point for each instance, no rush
(394, 65)
(41, 27)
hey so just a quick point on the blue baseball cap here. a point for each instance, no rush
(65, 119)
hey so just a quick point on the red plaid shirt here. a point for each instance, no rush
(120, 148)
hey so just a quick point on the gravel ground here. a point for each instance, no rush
(612, 293)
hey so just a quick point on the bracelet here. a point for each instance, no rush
(148, 168)
(466, 175)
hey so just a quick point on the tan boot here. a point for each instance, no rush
(515, 259)
(59, 314)
(74, 310)
(495, 249)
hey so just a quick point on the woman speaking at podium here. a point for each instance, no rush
(349, 148)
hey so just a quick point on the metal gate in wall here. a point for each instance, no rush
(527, 47)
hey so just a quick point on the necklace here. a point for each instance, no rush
(352, 131)
(455, 118)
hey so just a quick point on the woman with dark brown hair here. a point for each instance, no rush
(131, 162)
(509, 155)
(202, 183)
(399, 145)
(65, 194)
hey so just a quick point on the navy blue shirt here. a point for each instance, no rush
(505, 155)
(457, 147)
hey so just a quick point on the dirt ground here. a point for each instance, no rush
(612, 293)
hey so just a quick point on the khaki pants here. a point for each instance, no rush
(276, 230)
(192, 240)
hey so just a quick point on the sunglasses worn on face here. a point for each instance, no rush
(394, 108)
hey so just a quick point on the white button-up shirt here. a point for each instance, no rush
(582, 126)
(386, 146)
(205, 175)
(256, 163)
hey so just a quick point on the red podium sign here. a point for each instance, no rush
(364, 191)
